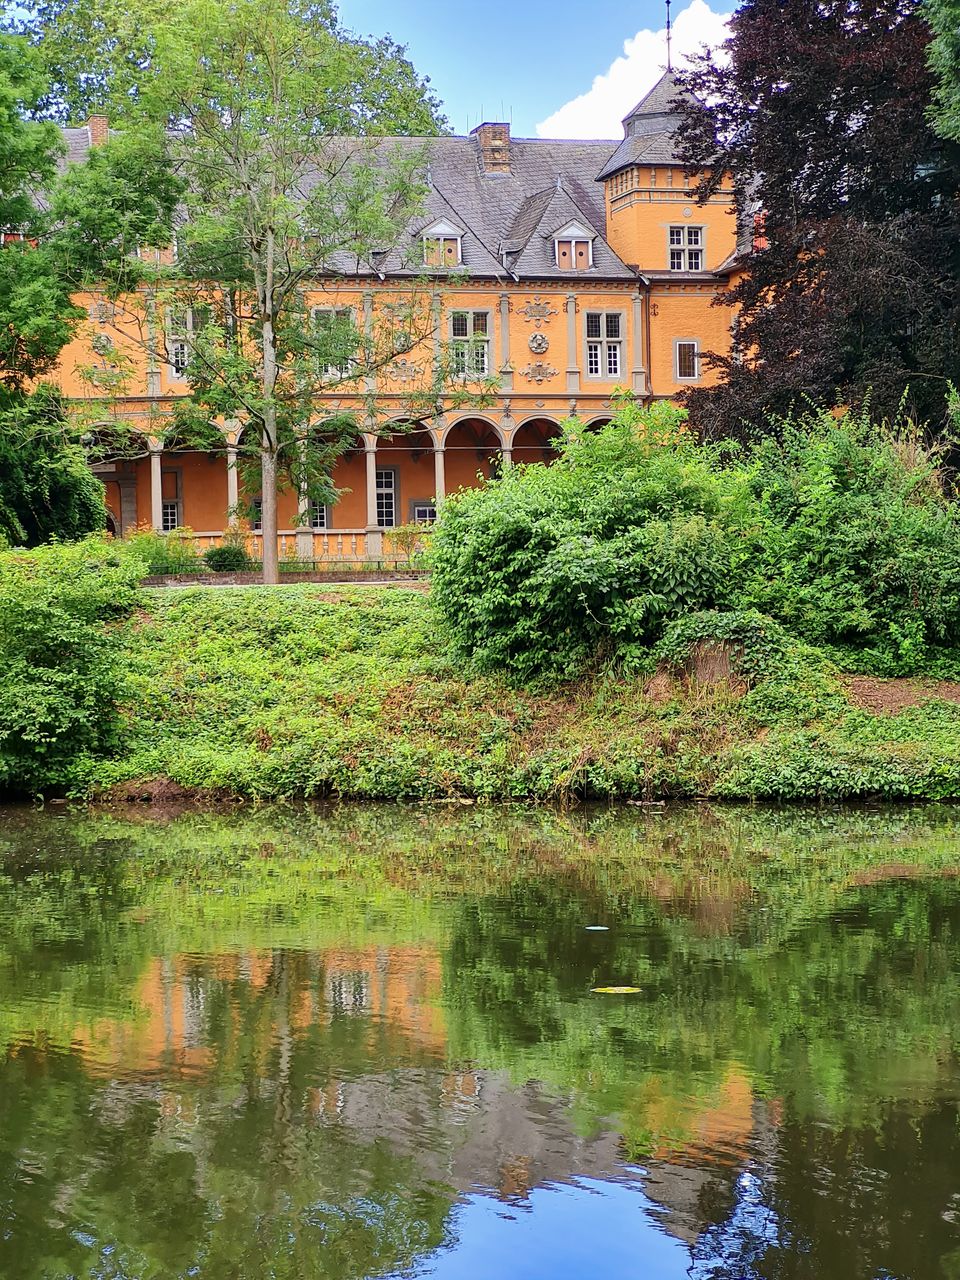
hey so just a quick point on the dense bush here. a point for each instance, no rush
(840, 530)
(857, 544)
(164, 552)
(59, 669)
(229, 557)
(632, 526)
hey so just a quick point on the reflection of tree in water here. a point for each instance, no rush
(256, 1058)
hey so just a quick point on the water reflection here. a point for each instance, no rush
(366, 1043)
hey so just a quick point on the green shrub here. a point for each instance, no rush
(842, 531)
(162, 553)
(59, 670)
(857, 543)
(544, 566)
(230, 557)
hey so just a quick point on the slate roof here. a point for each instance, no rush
(504, 215)
(508, 219)
(649, 129)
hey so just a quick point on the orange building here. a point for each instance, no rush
(575, 269)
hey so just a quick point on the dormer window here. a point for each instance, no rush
(573, 248)
(442, 245)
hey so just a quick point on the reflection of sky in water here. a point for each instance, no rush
(590, 1229)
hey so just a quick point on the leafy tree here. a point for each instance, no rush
(820, 114)
(47, 489)
(944, 57)
(37, 316)
(266, 101)
(98, 55)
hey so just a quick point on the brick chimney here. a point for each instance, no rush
(494, 142)
(98, 127)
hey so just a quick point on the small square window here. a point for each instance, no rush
(613, 325)
(256, 516)
(169, 516)
(676, 235)
(424, 513)
(693, 235)
(318, 515)
(593, 324)
(460, 325)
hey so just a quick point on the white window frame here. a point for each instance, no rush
(575, 233)
(436, 233)
(170, 510)
(686, 245)
(418, 508)
(180, 338)
(686, 342)
(393, 490)
(605, 349)
(336, 372)
(470, 351)
(321, 510)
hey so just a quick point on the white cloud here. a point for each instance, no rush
(598, 112)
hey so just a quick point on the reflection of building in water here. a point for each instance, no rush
(166, 1027)
(466, 1128)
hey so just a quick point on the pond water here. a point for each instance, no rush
(369, 1042)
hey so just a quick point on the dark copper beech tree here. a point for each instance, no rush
(849, 224)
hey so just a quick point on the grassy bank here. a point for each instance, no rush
(307, 691)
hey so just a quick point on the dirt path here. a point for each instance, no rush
(891, 696)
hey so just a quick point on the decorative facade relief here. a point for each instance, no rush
(404, 371)
(538, 343)
(535, 311)
(538, 371)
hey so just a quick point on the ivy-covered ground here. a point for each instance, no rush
(309, 691)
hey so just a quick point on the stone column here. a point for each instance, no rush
(233, 484)
(370, 381)
(439, 470)
(638, 374)
(573, 347)
(156, 490)
(374, 533)
(508, 426)
(506, 368)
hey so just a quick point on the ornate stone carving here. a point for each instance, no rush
(535, 311)
(538, 343)
(538, 371)
(404, 371)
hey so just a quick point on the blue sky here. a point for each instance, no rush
(557, 69)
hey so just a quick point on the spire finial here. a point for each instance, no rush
(669, 61)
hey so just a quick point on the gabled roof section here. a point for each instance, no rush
(538, 257)
(438, 211)
(649, 128)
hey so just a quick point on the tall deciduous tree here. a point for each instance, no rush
(46, 488)
(97, 56)
(846, 199)
(266, 104)
(944, 58)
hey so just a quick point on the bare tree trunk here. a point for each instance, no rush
(268, 509)
(269, 442)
